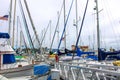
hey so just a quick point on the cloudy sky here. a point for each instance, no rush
(42, 11)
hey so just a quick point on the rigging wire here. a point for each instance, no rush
(65, 24)
(30, 55)
(22, 32)
(33, 26)
(26, 26)
(44, 35)
(81, 25)
(111, 18)
(59, 14)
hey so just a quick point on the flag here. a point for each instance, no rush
(5, 17)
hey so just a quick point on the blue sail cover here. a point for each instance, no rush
(4, 35)
(8, 58)
(102, 54)
(89, 54)
(79, 52)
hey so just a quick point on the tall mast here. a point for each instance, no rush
(26, 26)
(64, 23)
(58, 28)
(50, 31)
(14, 24)
(76, 19)
(20, 40)
(98, 35)
(56, 31)
(17, 33)
(33, 26)
(9, 30)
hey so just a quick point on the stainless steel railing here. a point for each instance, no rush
(84, 71)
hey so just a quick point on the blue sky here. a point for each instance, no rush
(42, 11)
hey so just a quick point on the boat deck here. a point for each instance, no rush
(21, 78)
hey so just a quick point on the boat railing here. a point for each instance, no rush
(69, 71)
(101, 65)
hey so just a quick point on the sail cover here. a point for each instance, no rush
(103, 55)
(90, 55)
(4, 35)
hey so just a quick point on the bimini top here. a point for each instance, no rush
(4, 35)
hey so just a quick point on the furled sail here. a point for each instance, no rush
(4, 35)
(103, 55)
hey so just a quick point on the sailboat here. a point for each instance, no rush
(29, 67)
(76, 49)
(9, 66)
(7, 53)
(102, 55)
(81, 69)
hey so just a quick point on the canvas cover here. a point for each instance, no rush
(4, 35)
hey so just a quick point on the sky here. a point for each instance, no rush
(42, 11)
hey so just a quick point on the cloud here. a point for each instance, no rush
(44, 10)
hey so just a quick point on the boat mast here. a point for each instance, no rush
(20, 40)
(9, 30)
(26, 26)
(50, 32)
(31, 20)
(76, 19)
(58, 28)
(17, 33)
(14, 24)
(98, 35)
(64, 23)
